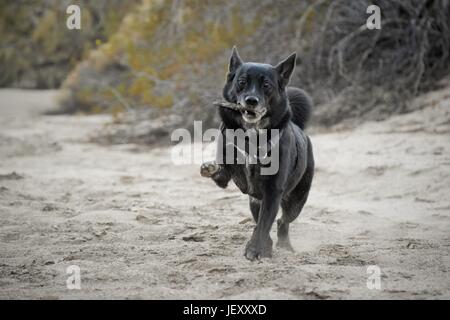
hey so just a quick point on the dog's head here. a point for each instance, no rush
(260, 89)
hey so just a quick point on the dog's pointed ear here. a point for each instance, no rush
(235, 61)
(285, 68)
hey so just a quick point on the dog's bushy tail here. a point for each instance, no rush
(301, 106)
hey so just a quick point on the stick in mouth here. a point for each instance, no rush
(249, 115)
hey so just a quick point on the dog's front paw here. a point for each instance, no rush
(208, 169)
(257, 249)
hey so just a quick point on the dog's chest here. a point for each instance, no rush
(249, 180)
(254, 180)
(250, 158)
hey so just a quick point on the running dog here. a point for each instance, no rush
(263, 100)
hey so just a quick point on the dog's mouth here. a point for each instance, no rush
(253, 116)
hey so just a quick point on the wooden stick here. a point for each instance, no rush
(229, 105)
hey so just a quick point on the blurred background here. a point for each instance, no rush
(86, 176)
(166, 61)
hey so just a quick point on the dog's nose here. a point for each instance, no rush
(251, 101)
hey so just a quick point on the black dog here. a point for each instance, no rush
(260, 90)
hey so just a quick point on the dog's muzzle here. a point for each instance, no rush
(253, 114)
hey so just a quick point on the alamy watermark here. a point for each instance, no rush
(374, 278)
(374, 20)
(246, 147)
(73, 21)
(73, 282)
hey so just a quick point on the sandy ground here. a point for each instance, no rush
(140, 227)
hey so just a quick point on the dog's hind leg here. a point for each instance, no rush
(255, 205)
(283, 228)
(291, 207)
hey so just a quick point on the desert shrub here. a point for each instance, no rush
(171, 56)
(374, 72)
(165, 55)
(36, 48)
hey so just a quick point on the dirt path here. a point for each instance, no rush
(139, 227)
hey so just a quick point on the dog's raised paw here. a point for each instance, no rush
(208, 169)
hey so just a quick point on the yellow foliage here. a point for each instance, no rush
(160, 47)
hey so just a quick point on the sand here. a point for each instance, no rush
(139, 227)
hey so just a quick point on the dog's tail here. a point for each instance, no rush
(301, 106)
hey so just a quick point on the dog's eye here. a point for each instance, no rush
(267, 86)
(242, 82)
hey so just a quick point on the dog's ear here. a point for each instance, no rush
(285, 68)
(235, 61)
